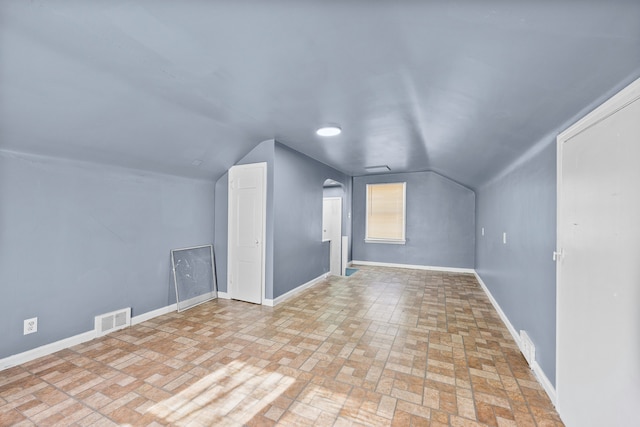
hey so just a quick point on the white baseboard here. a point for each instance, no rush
(414, 267)
(505, 319)
(537, 370)
(224, 295)
(47, 349)
(544, 381)
(294, 291)
(153, 313)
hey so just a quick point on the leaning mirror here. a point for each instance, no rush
(194, 276)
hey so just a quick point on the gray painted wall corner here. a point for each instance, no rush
(299, 253)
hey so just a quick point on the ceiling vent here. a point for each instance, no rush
(110, 322)
(377, 169)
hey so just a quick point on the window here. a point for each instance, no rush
(386, 213)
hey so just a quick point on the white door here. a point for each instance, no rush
(332, 230)
(247, 219)
(598, 297)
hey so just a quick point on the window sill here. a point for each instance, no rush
(386, 241)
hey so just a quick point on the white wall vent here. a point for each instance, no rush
(110, 322)
(527, 347)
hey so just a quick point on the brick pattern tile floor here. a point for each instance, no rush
(382, 347)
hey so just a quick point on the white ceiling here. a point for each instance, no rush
(459, 87)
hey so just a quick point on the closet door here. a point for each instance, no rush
(598, 321)
(247, 221)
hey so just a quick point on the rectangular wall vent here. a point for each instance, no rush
(110, 322)
(527, 347)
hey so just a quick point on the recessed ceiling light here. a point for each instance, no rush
(329, 131)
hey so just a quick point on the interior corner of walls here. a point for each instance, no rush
(222, 178)
(295, 290)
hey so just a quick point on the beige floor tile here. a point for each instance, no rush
(383, 347)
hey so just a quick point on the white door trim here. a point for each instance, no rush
(230, 252)
(614, 104)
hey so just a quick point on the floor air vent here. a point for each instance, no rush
(113, 321)
(527, 347)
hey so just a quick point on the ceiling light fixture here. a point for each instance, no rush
(331, 130)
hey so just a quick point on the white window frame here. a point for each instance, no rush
(401, 241)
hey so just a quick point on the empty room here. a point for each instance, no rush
(315, 213)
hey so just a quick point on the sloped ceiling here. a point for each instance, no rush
(188, 87)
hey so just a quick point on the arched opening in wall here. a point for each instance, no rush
(333, 193)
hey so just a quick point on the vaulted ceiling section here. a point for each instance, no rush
(463, 88)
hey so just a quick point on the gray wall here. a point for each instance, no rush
(299, 254)
(521, 274)
(336, 191)
(221, 230)
(80, 239)
(440, 223)
(263, 152)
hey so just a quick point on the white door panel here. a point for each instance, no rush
(247, 212)
(598, 348)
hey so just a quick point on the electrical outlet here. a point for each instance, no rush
(30, 325)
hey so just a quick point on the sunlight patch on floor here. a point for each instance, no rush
(230, 396)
